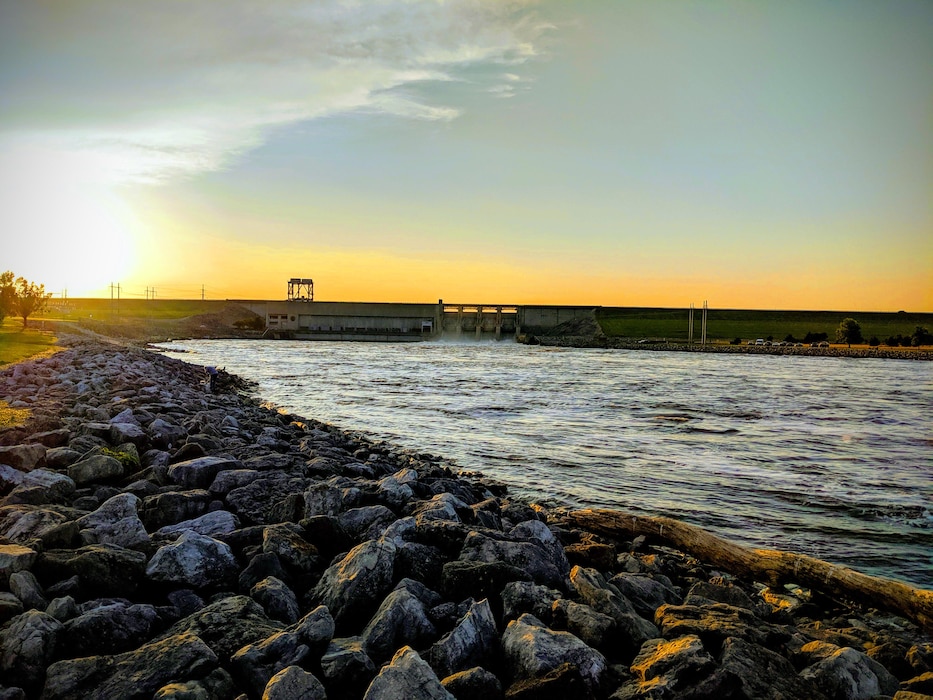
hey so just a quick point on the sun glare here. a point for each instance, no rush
(65, 225)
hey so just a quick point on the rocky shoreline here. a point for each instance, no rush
(159, 541)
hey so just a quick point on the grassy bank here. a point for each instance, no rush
(726, 324)
(17, 344)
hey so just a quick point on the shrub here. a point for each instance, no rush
(735, 341)
(874, 342)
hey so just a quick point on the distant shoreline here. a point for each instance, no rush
(886, 353)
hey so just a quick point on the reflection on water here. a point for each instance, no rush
(827, 456)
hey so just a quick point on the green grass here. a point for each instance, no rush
(105, 309)
(726, 324)
(17, 345)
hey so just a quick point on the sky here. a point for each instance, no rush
(763, 155)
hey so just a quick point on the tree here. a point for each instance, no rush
(31, 299)
(849, 332)
(921, 336)
(7, 295)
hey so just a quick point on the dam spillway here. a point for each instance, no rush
(409, 322)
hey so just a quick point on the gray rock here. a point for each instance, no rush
(400, 620)
(646, 593)
(323, 498)
(215, 685)
(848, 674)
(21, 524)
(44, 486)
(63, 608)
(473, 684)
(10, 606)
(703, 593)
(531, 650)
(763, 673)
(174, 507)
(256, 663)
(594, 628)
(13, 558)
(217, 522)
(395, 489)
(133, 675)
(259, 500)
(194, 560)
(527, 597)
(95, 468)
(25, 458)
(472, 642)
(294, 682)
(293, 551)
(277, 599)
(109, 629)
(367, 522)
(165, 435)
(714, 622)
(594, 591)
(346, 667)
(227, 624)
(121, 433)
(199, 473)
(407, 676)
(352, 587)
(61, 457)
(227, 480)
(125, 417)
(23, 585)
(116, 521)
(102, 569)
(532, 557)
(671, 666)
(27, 646)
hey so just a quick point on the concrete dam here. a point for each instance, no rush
(377, 321)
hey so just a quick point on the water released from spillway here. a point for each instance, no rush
(825, 456)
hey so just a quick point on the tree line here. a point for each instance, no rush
(22, 298)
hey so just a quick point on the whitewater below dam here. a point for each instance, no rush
(831, 457)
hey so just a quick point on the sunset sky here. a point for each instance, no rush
(629, 153)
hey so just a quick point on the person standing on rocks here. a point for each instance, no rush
(212, 377)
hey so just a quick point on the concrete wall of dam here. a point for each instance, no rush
(337, 320)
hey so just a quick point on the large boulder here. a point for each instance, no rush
(400, 620)
(294, 682)
(670, 668)
(217, 522)
(102, 569)
(763, 673)
(226, 625)
(256, 663)
(532, 557)
(848, 674)
(347, 669)
(195, 561)
(54, 525)
(42, 486)
(116, 521)
(472, 642)
(352, 587)
(277, 599)
(13, 558)
(133, 675)
(27, 646)
(25, 458)
(95, 468)
(407, 676)
(260, 501)
(604, 598)
(174, 507)
(109, 629)
(532, 650)
(199, 473)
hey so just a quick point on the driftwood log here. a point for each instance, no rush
(765, 565)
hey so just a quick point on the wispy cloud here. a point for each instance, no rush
(156, 90)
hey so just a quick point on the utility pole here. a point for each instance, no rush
(704, 322)
(690, 325)
(202, 292)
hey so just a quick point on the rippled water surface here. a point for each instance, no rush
(826, 456)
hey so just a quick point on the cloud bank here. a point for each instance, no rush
(153, 90)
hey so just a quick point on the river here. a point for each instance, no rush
(825, 456)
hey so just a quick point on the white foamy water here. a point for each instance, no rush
(825, 456)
